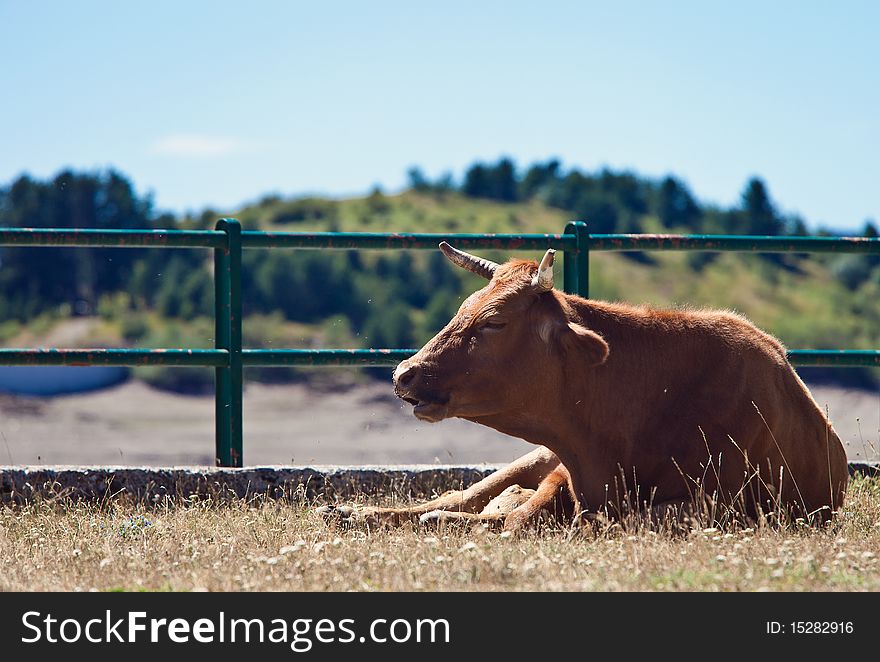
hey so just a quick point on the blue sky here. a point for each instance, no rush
(218, 103)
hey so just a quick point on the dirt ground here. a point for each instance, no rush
(135, 425)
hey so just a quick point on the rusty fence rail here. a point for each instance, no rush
(229, 358)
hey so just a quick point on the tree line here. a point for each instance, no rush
(394, 300)
(375, 297)
(619, 201)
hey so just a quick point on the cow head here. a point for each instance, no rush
(502, 352)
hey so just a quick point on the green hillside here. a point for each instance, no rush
(401, 298)
(805, 304)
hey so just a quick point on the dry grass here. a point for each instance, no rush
(264, 545)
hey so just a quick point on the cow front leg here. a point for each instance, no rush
(527, 471)
(553, 498)
(516, 507)
(493, 515)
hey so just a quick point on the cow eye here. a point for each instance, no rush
(493, 326)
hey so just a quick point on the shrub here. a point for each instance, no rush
(306, 209)
(192, 381)
(851, 270)
(134, 326)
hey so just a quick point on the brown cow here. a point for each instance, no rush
(632, 407)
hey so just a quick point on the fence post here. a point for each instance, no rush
(569, 267)
(576, 263)
(229, 381)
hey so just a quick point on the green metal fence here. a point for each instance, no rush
(228, 358)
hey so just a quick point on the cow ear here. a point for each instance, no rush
(579, 338)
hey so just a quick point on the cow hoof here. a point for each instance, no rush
(327, 513)
(444, 518)
(432, 517)
(336, 514)
(345, 512)
(438, 518)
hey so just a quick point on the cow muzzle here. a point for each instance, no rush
(409, 386)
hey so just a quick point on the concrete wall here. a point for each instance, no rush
(22, 484)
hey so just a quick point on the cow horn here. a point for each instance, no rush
(477, 265)
(543, 280)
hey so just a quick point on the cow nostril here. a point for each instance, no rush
(407, 376)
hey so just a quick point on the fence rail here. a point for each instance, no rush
(372, 358)
(229, 358)
(113, 238)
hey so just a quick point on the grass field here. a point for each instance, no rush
(262, 545)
